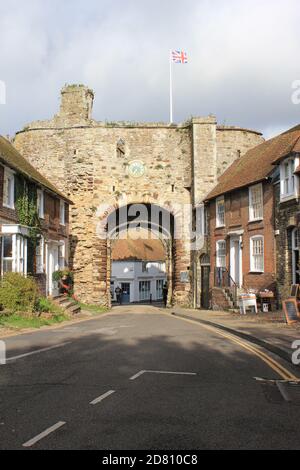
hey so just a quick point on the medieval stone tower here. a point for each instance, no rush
(104, 163)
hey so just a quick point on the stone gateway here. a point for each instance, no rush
(101, 164)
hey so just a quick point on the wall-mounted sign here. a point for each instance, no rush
(136, 169)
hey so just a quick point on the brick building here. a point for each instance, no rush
(27, 200)
(254, 221)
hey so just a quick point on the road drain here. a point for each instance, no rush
(281, 391)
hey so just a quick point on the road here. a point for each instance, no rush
(139, 378)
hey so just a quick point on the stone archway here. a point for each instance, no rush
(159, 223)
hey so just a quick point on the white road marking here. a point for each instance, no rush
(37, 351)
(136, 376)
(282, 390)
(102, 397)
(142, 372)
(43, 434)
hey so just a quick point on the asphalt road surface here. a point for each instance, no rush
(140, 379)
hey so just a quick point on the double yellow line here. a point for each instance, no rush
(272, 363)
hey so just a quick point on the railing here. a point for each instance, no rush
(223, 280)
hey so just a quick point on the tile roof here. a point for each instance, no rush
(138, 250)
(10, 156)
(258, 163)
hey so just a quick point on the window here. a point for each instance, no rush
(62, 212)
(7, 254)
(144, 290)
(257, 254)
(40, 256)
(256, 210)
(287, 178)
(40, 203)
(145, 267)
(296, 256)
(221, 254)
(220, 212)
(9, 189)
(201, 220)
(159, 289)
(14, 254)
(62, 256)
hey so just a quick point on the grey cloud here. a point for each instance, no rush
(243, 58)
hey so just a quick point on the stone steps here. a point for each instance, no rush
(67, 304)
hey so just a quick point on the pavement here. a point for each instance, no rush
(270, 331)
(141, 378)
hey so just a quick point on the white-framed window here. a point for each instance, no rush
(159, 288)
(144, 290)
(7, 254)
(9, 189)
(14, 254)
(220, 212)
(40, 246)
(145, 266)
(62, 256)
(256, 204)
(257, 254)
(41, 203)
(288, 180)
(62, 212)
(221, 254)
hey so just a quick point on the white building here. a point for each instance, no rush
(139, 269)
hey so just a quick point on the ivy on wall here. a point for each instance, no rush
(26, 208)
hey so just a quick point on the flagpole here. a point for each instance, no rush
(171, 89)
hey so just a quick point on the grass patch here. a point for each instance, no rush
(93, 309)
(18, 322)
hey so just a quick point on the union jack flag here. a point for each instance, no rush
(179, 57)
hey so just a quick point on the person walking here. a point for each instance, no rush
(165, 294)
(118, 292)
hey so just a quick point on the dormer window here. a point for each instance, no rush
(288, 179)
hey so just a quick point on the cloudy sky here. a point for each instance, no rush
(243, 58)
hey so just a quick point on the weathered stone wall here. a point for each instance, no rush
(232, 143)
(81, 157)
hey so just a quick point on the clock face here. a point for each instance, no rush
(136, 169)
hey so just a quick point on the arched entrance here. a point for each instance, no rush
(135, 222)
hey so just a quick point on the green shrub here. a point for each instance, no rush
(18, 293)
(45, 305)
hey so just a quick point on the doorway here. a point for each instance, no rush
(205, 273)
(125, 286)
(236, 260)
(52, 265)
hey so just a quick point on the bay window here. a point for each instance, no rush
(14, 254)
(257, 254)
(256, 208)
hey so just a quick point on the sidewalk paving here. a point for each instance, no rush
(267, 330)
